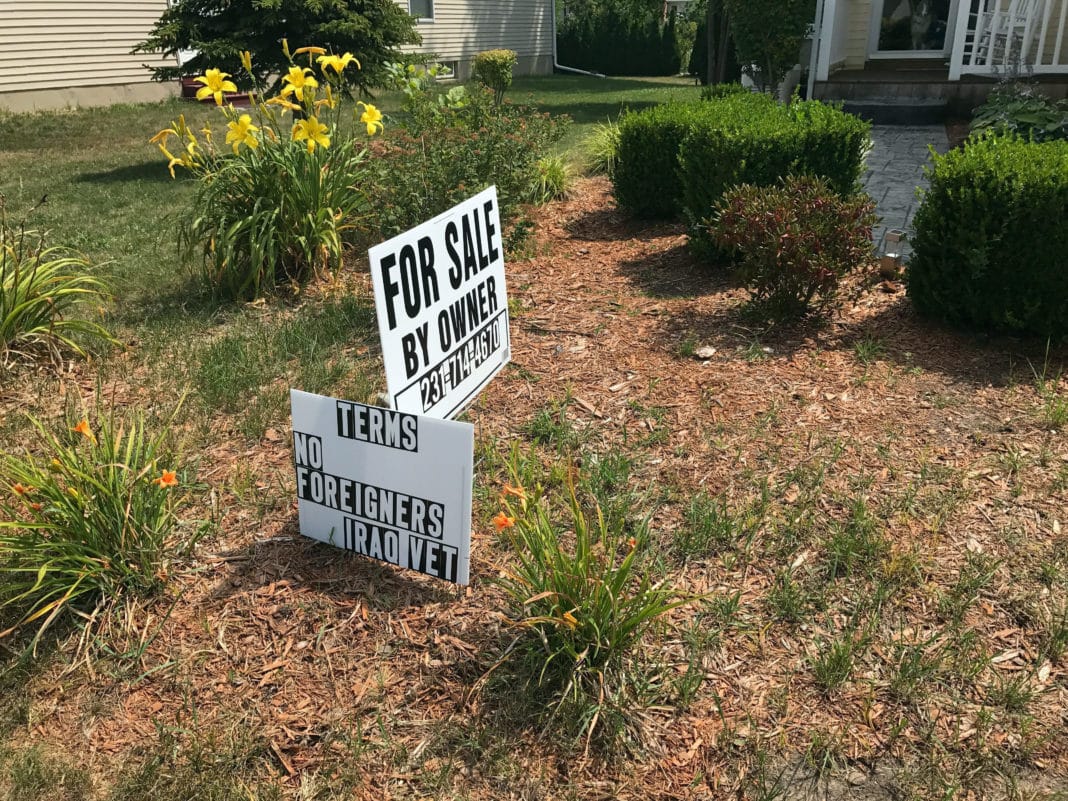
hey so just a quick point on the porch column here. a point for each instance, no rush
(960, 35)
(825, 38)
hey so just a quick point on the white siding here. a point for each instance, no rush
(462, 28)
(59, 44)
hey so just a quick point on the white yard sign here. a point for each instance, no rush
(388, 485)
(442, 308)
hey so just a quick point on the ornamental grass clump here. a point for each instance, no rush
(84, 520)
(278, 196)
(43, 294)
(582, 592)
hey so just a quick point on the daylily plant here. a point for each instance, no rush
(299, 94)
(275, 199)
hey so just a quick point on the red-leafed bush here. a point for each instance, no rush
(794, 241)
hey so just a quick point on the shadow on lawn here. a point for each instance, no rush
(327, 570)
(154, 170)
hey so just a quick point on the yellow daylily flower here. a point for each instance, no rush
(315, 51)
(246, 61)
(285, 104)
(285, 49)
(327, 101)
(337, 63)
(372, 118)
(312, 132)
(296, 81)
(215, 84)
(241, 133)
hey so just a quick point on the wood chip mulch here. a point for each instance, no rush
(311, 649)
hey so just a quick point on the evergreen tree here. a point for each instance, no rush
(219, 30)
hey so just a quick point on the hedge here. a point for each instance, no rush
(609, 42)
(681, 158)
(646, 180)
(990, 248)
(747, 143)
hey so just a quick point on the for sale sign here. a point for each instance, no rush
(442, 308)
(385, 484)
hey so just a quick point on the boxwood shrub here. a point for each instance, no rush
(646, 178)
(760, 145)
(990, 248)
(680, 158)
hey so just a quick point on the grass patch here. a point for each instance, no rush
(249, 369)
(34, 774)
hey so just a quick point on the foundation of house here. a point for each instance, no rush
(911, 92)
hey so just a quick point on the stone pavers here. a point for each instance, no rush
(895, 170)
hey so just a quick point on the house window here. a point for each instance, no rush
(421, 9)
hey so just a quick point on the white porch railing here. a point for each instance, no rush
(998, 36)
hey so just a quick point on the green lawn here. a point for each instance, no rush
(92, 179)
(109, 194)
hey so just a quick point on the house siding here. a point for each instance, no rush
(858, 34)
(462, 28)
(51, 49)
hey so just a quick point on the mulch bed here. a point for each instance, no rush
(300, 642)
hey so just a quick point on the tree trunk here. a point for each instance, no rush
(711, 40)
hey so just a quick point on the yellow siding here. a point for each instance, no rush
(1058, 11)
(59, 44)
(858, 33)
(462, 28)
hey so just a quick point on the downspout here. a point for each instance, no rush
(556, 64)
(817, 40)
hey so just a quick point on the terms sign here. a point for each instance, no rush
(442, 308)
(385, 484)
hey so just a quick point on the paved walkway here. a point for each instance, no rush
(895, 170)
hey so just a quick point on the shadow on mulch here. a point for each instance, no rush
(972, 357)
(675, 273)
(609, 224)
(898, 334)
(303, 562)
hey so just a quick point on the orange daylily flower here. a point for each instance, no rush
(503, 521)
(83, 429)
(21, 489)
(518, 492)
(169, 478)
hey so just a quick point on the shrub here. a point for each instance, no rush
(585, 605)
(646, 179)
(217, 33)
(275, 209)
(88, 520)
(619, 42)
(795, 241)
(684, 156)
(990, 241)
(768, 35)
(42, 292)
(748, 142)
(493, 69)
(1022, 109)
(453, 149)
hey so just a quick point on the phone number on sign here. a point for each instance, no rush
(452, 372)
